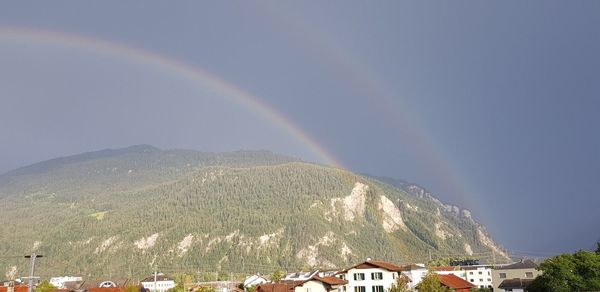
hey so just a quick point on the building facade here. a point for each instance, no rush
(521, 270)
(159, 283)
(370, 276)
(480, 276)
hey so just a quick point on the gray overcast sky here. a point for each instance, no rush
(490, 105)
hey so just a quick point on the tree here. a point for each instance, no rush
(205, 289)
(177, 288)
(431, 283)
(276, 275)
(183, 280)
(132, 288)
(44, 286)
(569, 272)
(480, 290)
(400, 285)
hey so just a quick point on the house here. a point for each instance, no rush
(525, 269)
(275, 287)
(414, 273)
(16, 288)
(327, 273)
(59, 282)
(103, 285)
(72, 285)
(515, 285)
(11, 283)
(455, 283)
(255, 280)
(370, 276)
(217, 286)
(315, 284)
(450, 270)
(320, 284)
(159, 282)
(13, 286)
(300, 276)
(480, 276)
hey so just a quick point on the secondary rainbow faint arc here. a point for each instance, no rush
(165, 63)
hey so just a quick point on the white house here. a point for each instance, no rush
(59, 282)
(255, 280)
(480, 276)
(159, 283)
(320, 284)
(370, 276)
(451, 270)
(415, 274)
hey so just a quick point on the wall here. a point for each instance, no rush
(389, 278)
(511, 274)
(311, 286)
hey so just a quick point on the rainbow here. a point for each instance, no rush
(393, 111)
(163, 63)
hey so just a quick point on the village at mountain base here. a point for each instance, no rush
(368, 276)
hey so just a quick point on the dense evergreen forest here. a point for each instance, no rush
(130, 211)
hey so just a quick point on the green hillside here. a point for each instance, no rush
(127, 211)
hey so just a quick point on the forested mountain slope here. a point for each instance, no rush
(127, 211)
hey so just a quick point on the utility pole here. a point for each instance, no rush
(155, 275)
(429, 255)
(33, 256)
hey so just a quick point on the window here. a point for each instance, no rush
(528, 274)
(377, 288)
(480, 280)
(472, 280)
(360, 289)
(502, 275)
(342, 276)
(470, 273)
(480, 273)
(376, 276)
(359, 277)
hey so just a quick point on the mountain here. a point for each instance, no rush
(128, 211)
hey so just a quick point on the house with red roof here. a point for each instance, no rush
(455, 283)
(314, 284)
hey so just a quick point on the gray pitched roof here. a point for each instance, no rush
(526, 264)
